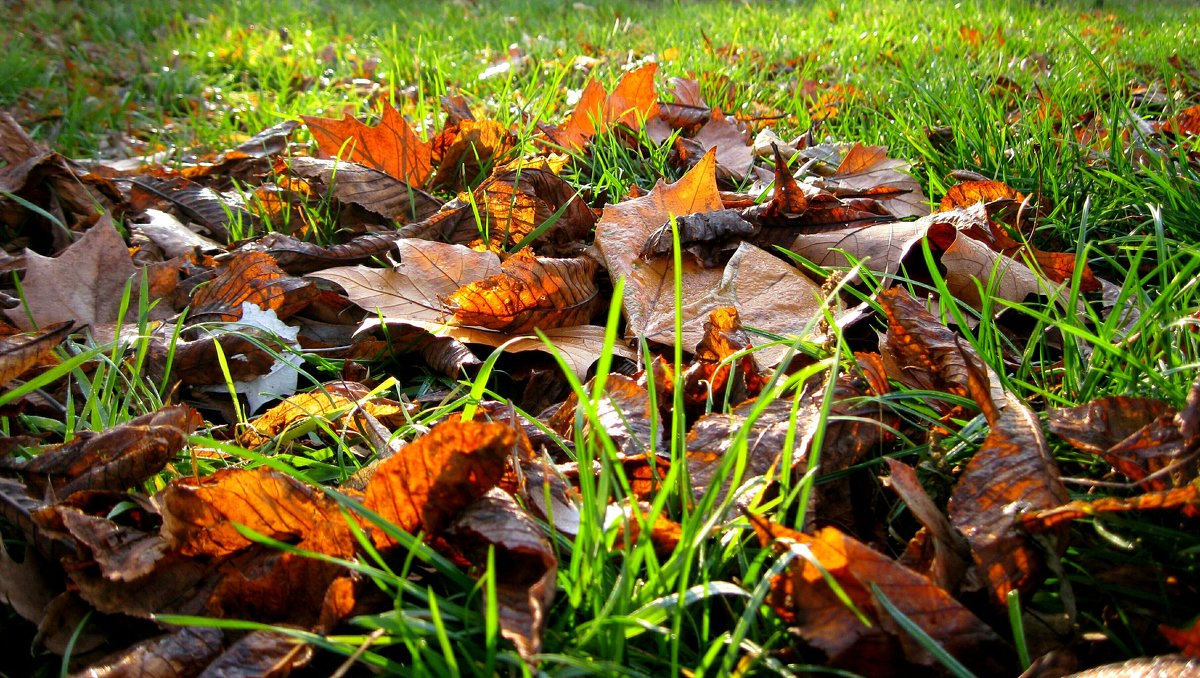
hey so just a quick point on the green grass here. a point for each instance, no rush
(107, 79)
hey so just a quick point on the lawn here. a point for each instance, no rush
(895, 308)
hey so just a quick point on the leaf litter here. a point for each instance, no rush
(450, 247)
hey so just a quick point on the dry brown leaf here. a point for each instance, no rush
(438, 475)
(253, 278)
(529, 292)
(366, 187)
(1012, 471)
(805, 600)
(391, 146)
(185, 652)
(1101, 424)
(735, 155)
(115, 459)
(771, 296)
(866, 171)
(951, 552)
(524, 562)
(84, 283)
(20, 353)
(416, 289)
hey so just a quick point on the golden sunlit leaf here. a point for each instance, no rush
(1048, 519)
(336, 399)
(529, 292)
(391, 146)
(438, 475)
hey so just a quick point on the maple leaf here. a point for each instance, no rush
(391, 146)
(85, 283)
(632, 102)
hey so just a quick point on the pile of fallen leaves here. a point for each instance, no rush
(436, 252)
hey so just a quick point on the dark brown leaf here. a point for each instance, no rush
(20, 353)
(183, 653)
(1011, 472)
(524, 562)
(369, 188)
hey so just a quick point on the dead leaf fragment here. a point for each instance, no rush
(21, 352)
(802, 596)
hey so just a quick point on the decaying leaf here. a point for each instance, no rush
(366, 187)
(1048, 519)
(439, 475)
(524, 562)
(804, 597)
(633, 101)
(338, 400)
(116, 459)
(1011, 472)
(951, 552)
(19, 353)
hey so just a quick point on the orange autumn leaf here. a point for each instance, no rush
(804, 598)
(391, 146)
(1186, 639)
(632, 102)
(970, 192)
(529, 292)
(465, 149)
(1186, 122)
(1181, 497)
(254, 278)
(199, 515)
(438, 475)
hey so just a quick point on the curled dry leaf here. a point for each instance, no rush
(20, 353)
(115, 459)
(1101, 424)
(529, 292)
(624, 413)
(525, 564)
(1011, 472)
(1044, 520)
(866, 171)
(368, 188)
(438, 475)
(251, 278)
(802, 596)
(391, 146)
